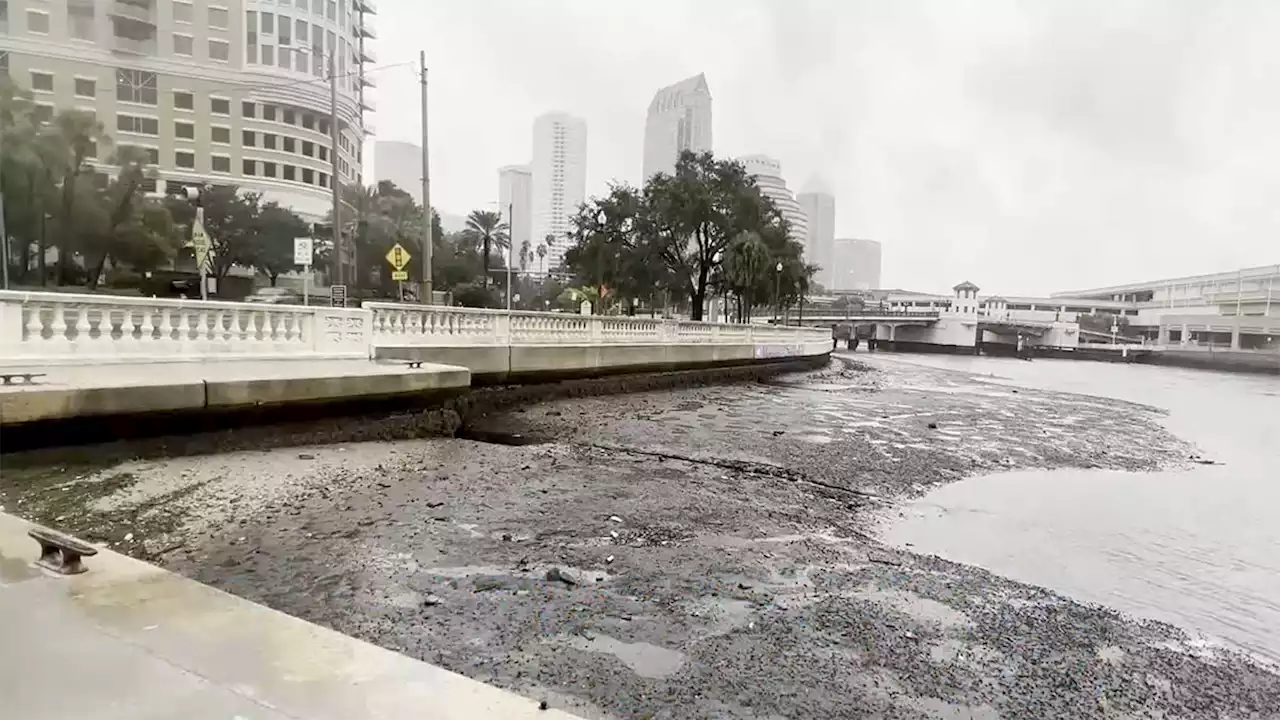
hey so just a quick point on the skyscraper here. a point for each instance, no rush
(768, 176)
(559, 179)
(679, 119)
(401, 163)
(819, 205)
(857, 264)
(515, 198)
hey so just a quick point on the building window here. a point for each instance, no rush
(184, 159)
(182, 11)
(38, 22)
(247, 109)
(220, 135)
(323, 126)
(251, 22)
(322, 179)
(219, 50)
(284, 58)
(80, 18)
(332, 8)
(289, 117)
(152, 154)
(183, 45)
(42, 81)
(86, 87)
(323, 152)
(136, 86)
(249, 167)
(42, 113)
(269, 169)
(218, 18)
(184, 130)
(138, 125)
(148, 185)
(289, 145)
(183, 100)
(249, 138)
(269, 141)
(289, 172)
(220, 106)
(300, 30)
(268, 24)
(308, 121)
(309, 176)
(286, 31)
(300, 60)
(308, 148)
(220, 164)
(268, 54)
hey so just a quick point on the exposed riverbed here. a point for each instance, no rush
(683, 554)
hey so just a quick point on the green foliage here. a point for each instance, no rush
(705, 227)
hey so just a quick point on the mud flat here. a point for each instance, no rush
(694, 553)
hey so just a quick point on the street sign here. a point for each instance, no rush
(302, 251)
(400, 275)
(398, 257)
(200, 241)
(338, 296)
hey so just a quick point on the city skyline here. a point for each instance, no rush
(559, 179)
(819, 206)
(679, 118)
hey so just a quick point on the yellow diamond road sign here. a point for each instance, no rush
(398, 256)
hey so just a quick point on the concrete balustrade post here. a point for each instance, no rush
(596, 327)
(11, 324)
(502, 330)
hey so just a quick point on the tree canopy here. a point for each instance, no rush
(705, 228)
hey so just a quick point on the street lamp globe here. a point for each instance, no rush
(778, 267)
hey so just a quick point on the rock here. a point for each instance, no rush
(485, 584)
(883, 558)
(542, 705)
(615, 518)
(933, 426)
(555, 574)
(431, 601)
(128, 537)
(613, 534)
(506, 537)
(306, 456)
(609, 559)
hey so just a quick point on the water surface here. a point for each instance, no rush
(1199, 548)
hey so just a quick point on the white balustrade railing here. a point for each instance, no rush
(63, 328)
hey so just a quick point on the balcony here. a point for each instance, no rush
(367, 103)
(134, 46)
(367, 7)
(139, 11)
(367, 56)
(367, 81)
(368, 128)
(366, 31)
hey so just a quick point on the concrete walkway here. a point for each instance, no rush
(86, 390)
(128, 640)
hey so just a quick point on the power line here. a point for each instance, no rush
(299, 83)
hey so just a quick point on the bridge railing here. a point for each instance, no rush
(66, 328)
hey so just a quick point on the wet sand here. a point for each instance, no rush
(687, 553)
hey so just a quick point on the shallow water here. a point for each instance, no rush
(1199, 548)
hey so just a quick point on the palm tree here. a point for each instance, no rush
(525, 255)
(548, 242)
(542, 257)
(486, 230)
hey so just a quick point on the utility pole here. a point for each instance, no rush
(511, 246)
(4, 236)
(334, 183)
(427, 296)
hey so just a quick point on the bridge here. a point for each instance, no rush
(867, 317)
(66, 356)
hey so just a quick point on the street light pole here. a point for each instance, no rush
(427, 241)
(511, 243)
(334, 183)
(777, 292)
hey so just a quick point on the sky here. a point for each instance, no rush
(1030, 147)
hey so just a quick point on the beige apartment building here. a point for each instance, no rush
(224, 92)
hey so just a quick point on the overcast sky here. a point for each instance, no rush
(1027, 146)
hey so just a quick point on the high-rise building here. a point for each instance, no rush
(515, 200)
(819, 205)
(768, 176)
(400, 163)
(559, 171)
(679, 119)
(232, 92)
(857, 264)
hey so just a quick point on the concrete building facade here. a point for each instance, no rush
(679, 119)
(401, 163)
(856, 264)
(819, 206)
(559, 179)
(220, 92)
(515, 198)
(767, 173)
